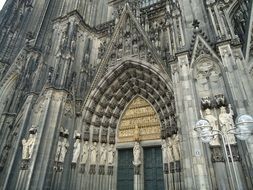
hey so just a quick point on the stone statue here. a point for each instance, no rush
(137, 154)
(214, 124)
(111, 153)
(170, 151)
(85, 153)
(136, 133)
(175, 146)
(103, 154)
(28, 146)
(62, 149)
(164, 150)
(226, 123)
(93, 154)
(76, 152)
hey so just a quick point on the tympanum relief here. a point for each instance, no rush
(139, 122)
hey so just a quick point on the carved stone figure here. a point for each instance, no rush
(103, 154)
(226, 123)
(175, 147)
(62, 149)
(28, 146)
(137, 154)
(111, 153)
(85, 152)
(164, 150)
(93, 153)
(76, 152)
(169, 151)
(214, 124)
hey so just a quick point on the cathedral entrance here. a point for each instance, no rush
(153, 169)
(140, 124)
(132, 110)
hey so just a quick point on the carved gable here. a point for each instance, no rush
(200, 48)
(128, 39)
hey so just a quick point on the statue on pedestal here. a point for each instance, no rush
(164, 150)
(170, 151)
(214, 124)
(226, 123)
(77, 148)
(175, 147)
(93, 153)
(62, 146)
(103, 154)
(85, 152)
(62, 149)
(137, 154)
(28, 145)
(111, 154)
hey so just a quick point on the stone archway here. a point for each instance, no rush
(108, 100)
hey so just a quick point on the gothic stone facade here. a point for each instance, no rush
(92, 89)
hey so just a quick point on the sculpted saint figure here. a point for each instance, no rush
(85, 153)
(170, 151)
(111, 153)
(214, 124)
(93, 153)
(164, 150)
(62, 149)
(175, 147)
(28, 146)
(103, 154)
(76, 152)
(137, 154)
(226, 123)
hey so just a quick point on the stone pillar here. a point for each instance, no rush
(7, 178)
(237, 82)
(195, 168)
(42, 165)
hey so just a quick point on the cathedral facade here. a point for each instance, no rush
(105, 95)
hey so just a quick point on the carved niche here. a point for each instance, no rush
(207, 75)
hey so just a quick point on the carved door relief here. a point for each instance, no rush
(139, 122)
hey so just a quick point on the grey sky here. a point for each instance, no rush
(2, 3)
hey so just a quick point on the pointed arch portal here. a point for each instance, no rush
(134, 98)
(108, 100)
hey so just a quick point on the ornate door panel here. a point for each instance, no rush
(125, 170)
(153, 169)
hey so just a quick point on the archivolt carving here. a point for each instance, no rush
(123, 83)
